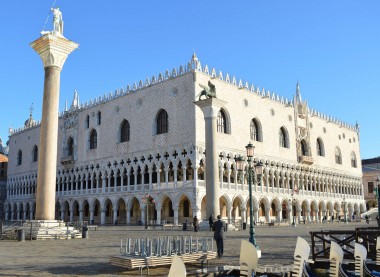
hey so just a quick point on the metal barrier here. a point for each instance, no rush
(321, 241)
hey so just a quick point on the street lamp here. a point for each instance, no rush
(254, 169)
(344, 209)
(291, 210)
(377, 194)
(147, 200)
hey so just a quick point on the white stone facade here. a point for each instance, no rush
(109, 184)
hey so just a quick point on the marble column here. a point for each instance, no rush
(91, 216)
(53, 50)
(210, 108)
(103, 216)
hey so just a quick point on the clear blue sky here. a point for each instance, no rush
(331, 47)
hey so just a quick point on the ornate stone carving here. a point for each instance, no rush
(53, 49)
(70, 120)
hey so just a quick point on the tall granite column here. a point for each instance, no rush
(210, 108)
(53, 50)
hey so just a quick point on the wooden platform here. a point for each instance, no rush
(132, 262)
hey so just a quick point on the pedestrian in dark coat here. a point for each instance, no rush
(210, 222)
(218, 227)
(195, 223)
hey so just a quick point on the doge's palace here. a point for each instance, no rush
(139, 153)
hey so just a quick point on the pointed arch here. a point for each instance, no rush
(124, 131)
(283, 137)
(162, 122)
(320, 147)
(256, 130)
(353, 159)
(19, 157)
(304, 148)
(35, 153)
(93, 139)
(70, 146)
(338, 155)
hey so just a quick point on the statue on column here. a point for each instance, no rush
(208, 92)
(57, 21)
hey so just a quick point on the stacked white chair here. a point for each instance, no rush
(336, 258)
(301, 255)
(360, 257)
(177, 269)
(248, 258)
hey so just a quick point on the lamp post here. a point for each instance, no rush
(147, 200)
(254, 170)
(291, 210)
(377, 192)
(344, 209)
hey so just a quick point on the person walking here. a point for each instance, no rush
(210, 222)
(218, 227)
(195, 223)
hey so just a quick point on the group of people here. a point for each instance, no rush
(218, 226)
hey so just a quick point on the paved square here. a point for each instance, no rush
(89, 257)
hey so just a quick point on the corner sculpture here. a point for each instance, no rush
(57, 21)
(208, 92)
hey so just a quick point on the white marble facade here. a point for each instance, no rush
(148, 138)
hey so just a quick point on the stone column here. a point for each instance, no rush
(91, 216)
(129, 216)
(244, 215)
(115, 217)
(158, 209)
(81, 215)
(103, 216)
(143, 216)
(210, 108)
(63, 214)
(176, 209)
(53, 50)
(71, 215)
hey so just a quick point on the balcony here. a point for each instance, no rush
(67, 160)
(306, 160)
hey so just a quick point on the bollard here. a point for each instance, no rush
(85, 232)
(20, 235)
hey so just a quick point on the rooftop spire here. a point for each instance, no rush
(194, 57)
(298, 92)
(75, 102)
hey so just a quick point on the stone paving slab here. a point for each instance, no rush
(90, 257)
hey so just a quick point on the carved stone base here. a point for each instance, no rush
(50, 229)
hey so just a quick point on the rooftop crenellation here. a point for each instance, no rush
(194, 65)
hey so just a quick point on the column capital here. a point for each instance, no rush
(53, 49)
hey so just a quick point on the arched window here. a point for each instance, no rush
(353, 160)
(35, 153)
(304, 149)
(255, 129)
(87, 121)
(320, 148)
(93, 139)
(70, 146)
(162, 122)
(19, 157)
(283, 136)
(124, 131)
(221, 122)
(99, 117)
(338, 156)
